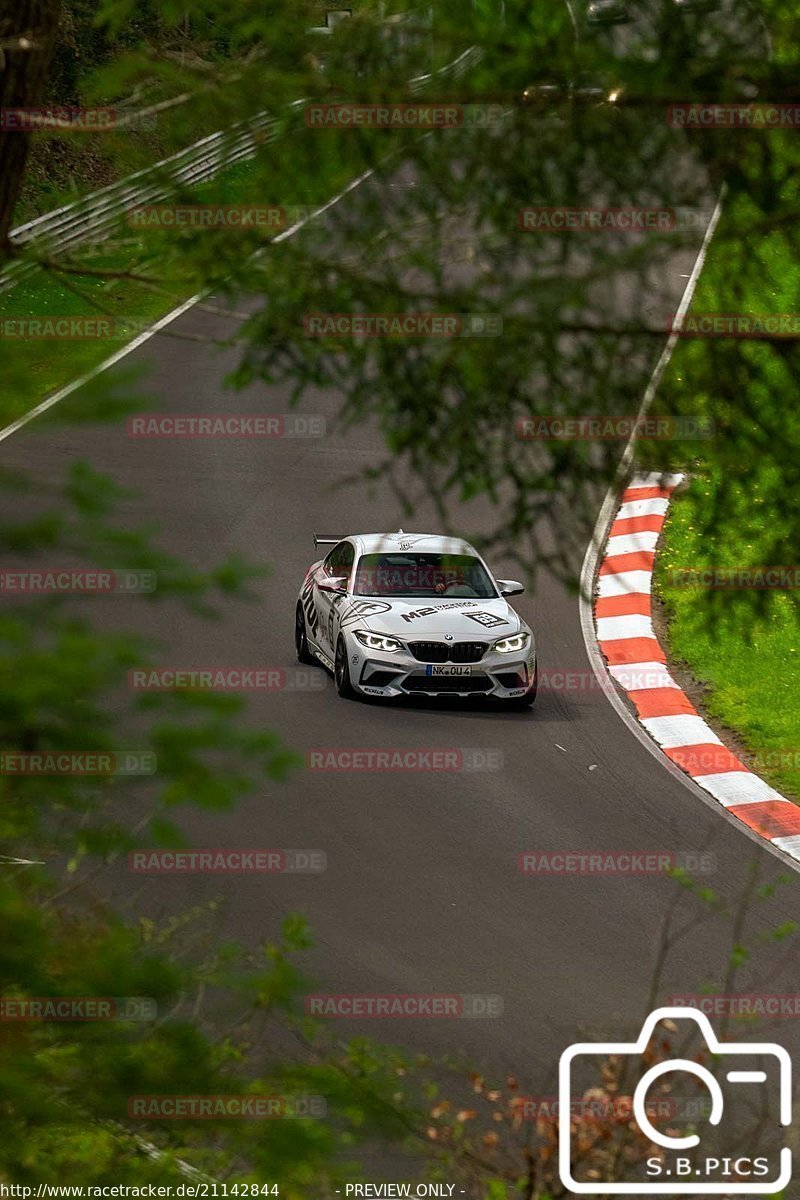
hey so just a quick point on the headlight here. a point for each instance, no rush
(377, 641)
(508, 645)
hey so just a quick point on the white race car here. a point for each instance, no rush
(414, 614)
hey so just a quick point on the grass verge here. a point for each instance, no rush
(740, 644)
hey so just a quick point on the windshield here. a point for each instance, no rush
(454, 575)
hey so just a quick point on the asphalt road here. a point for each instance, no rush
(422, 891)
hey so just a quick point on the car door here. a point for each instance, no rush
(328, 594)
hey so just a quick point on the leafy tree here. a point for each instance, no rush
(583, 316)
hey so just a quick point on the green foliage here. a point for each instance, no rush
(584, 317)
(741, 508)
(67, 1088)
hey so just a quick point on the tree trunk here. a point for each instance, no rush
(27, 39)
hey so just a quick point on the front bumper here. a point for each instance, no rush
(399, 673)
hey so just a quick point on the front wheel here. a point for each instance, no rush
(341, 671)
(304, 655)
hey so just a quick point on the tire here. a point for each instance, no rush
(341, 671)
(304, 655)
(526, 701)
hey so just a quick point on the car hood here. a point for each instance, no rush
(421, 619)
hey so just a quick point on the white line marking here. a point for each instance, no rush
(612, 629)
(654, 479)
(746, 1076)
(683, 729)
(789, 845)
(738, 787)
(625, 583)
(656, 507)
(637, 677)
(629, 543)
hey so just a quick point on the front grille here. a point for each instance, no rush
(447, 683)
(465, 652)
(433, 652)
(440, 652)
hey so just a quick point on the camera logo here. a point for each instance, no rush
(682, 1167)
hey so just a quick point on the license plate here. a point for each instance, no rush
(448, 669)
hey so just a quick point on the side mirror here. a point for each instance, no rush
(335, 584)
(510, 587)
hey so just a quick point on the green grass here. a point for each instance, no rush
(747, 658)
(740, 509)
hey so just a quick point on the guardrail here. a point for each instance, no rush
(95, 216)
(455, 69)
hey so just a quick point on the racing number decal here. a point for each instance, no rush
(487, 619)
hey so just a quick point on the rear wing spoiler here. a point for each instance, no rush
(326, 539)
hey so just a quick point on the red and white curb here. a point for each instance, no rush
(636, 661)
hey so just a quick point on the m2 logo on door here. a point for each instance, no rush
(309, 607)
(332, 612)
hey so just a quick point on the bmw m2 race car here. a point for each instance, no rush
(414, 614)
